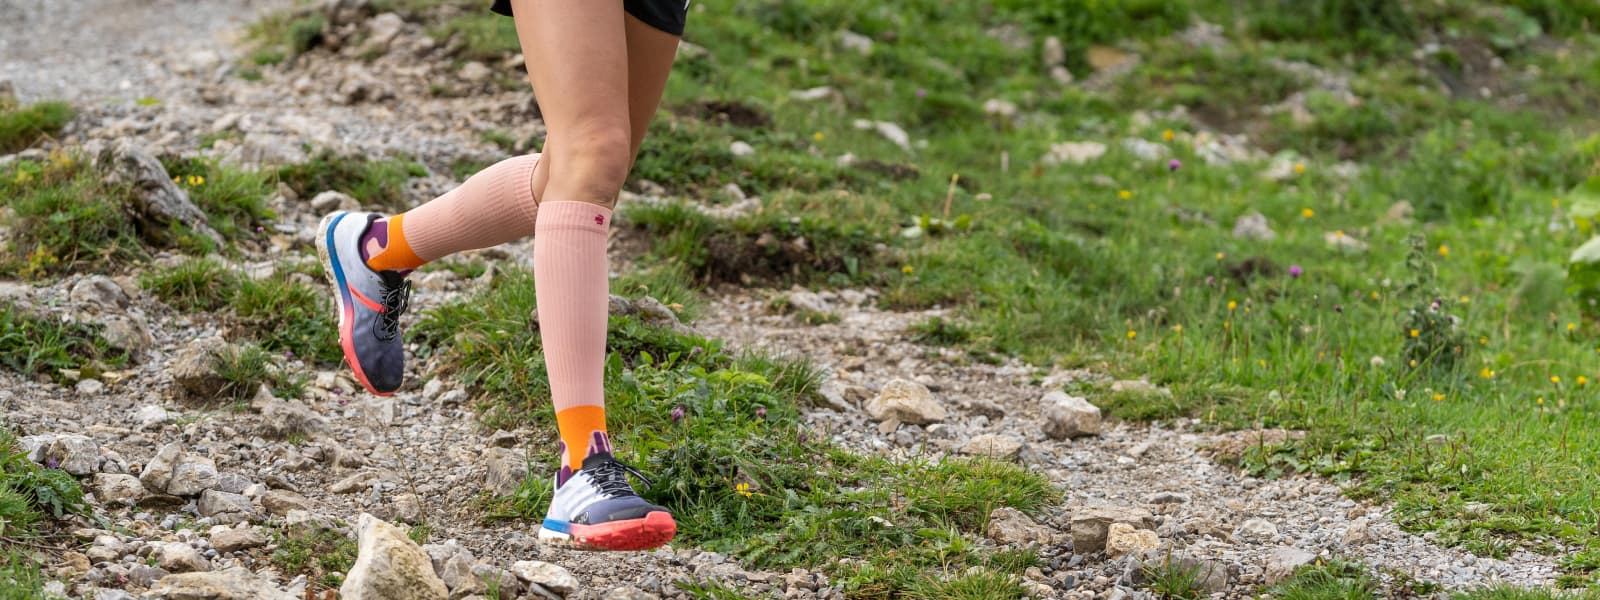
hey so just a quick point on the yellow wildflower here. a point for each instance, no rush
(1486, 373)
(1438, 397)
(1444, 250)
(1414, 333)
(1540, 400)
(1167, 135)
(1466, 299)
(1263, 363)
(1221, 255)
(1572, 327)
(1232, 305)
(1374, 294)
(1556, 379)
(907, 269)
(1124, 194)
(743, 489)
(1177, 328)
(1132, 334)
(1299, 168)
(1582, 381)
(1307, 213)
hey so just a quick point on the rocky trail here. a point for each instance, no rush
(192, 494)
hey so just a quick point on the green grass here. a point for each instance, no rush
(246, 368)
(35, 345)
(377, 184)
(738, 467)
(1056, 267)
(21, 127)
(234, 200)
(65, 219)
(1331, 581)
(32, 499)
(283, 313)
(324, 556)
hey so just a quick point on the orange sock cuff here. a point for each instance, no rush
(577, 426)
(397, 256)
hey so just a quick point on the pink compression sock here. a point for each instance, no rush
(492, 207)
(571, 287)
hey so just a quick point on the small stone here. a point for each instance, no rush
(890, 131)
(158, 472)
(475, 71)
(1343, 241)
(194, 368)
(741, 149)
(1122, 539)
(1256, 529)
(233, 583)
(504, 470)
(76, 562)
(905, 401)
(1146, 150)
(1357, 533)
(1073, 152)
(89, 387)
(280, 502)
(1052, 52)
(812, 94)
(234, 540)
(1254, 226)
(407, 508)
(553, 577)
(179, 557)
(1209, 576)
(1283, 562)
(75, 454)
(855, 41)
(389, 566)
(150, 416)
(213, 503)
(1090, 525)
(998, 447)
(1167, 498)
(98, 292)
(330, 201)
(1069, 416)
(458, 577)
(354, 483)
(1011, 526)
(194, 474)
(503, 439)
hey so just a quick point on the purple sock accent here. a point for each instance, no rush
(599, 442)
(376, 230)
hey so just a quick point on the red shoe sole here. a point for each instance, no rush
(653, 531)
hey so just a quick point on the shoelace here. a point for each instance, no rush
(396, 299)
(612, 478)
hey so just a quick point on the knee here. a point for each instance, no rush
(597, 160)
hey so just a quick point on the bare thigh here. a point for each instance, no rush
(576, 52)
(650, 55)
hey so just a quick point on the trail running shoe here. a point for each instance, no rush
(596, 509)
(369, 302)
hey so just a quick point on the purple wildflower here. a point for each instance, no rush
(921, 93)
(1295, 271)
(761, 412)
(1174, 164)
(51, 462)
(677, 413)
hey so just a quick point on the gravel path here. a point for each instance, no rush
(422, 449)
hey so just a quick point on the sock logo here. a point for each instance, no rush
(599, 220)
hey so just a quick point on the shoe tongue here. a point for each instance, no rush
(597, 459)
(393, 278)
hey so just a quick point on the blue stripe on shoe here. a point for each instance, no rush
(558, 526)
(333, 254)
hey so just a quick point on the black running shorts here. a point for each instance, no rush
(666, 15)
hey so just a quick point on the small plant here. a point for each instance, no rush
(1335, 580)
(1172, 579)
(323, 555)
(1434, 340)
(939, 331)
(196, 284)
(283, 314)
(21, 127)
(32, 345)
(246, 368)
(376, 184)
